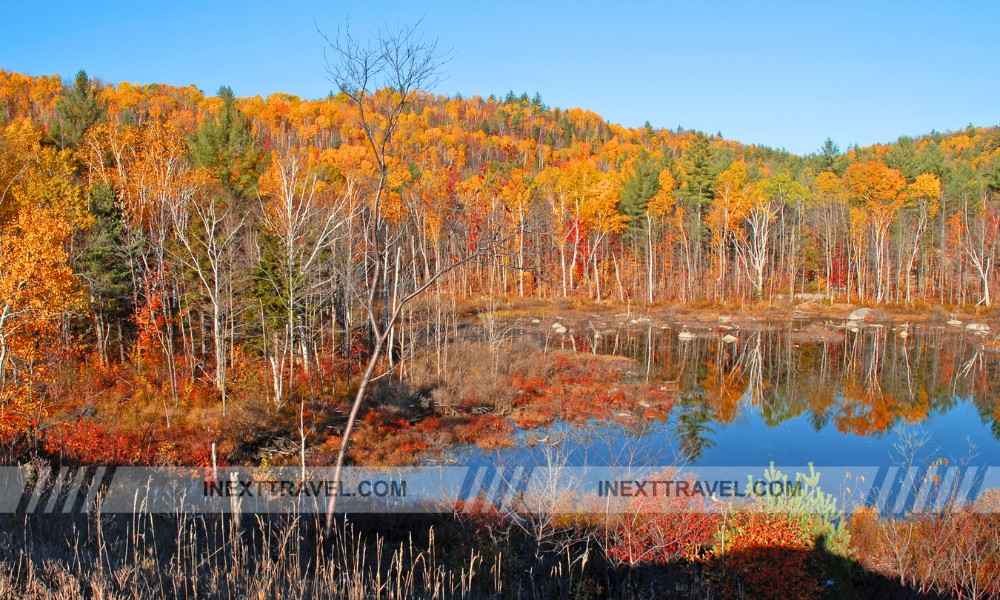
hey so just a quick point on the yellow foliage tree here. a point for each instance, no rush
(663, 207)
(922, 202)
(735, 193)
(830, 196)
(878, 191)
(39, 208)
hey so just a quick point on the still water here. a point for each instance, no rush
(794, 393)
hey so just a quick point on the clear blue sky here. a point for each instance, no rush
(784, 74)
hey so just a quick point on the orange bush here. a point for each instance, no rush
(661, 530)
(766, 555)
(87, 442)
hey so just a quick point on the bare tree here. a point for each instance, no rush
(980, 232)
(756, 247)
(304, 222)
(206, 228)
(381, 76)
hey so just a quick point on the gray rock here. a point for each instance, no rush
(860, 314)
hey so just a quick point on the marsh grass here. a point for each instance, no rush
(467, 555)
(247, 556)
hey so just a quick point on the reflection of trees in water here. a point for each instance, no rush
(694, 427)
(862, 382)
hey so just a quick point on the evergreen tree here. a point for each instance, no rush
(903, 156)
(699, 166)
(931, 159)
(828, 155)
(77, 110)
(227, 145)
(641, 186)
(103, 264)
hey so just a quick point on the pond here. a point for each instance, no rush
(792, 392)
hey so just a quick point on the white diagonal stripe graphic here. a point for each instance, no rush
(477, 483)
(95, 487)
(56, 489)
(43, 477)
(882, 492)
(906, 487)
(924, 488)
(81, 473)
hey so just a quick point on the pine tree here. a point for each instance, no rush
(700, 170)
(103, 266)
(226, 145)
(641, 186)
(79, 109)
(827, 157)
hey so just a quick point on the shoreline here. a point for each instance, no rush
(581, 315)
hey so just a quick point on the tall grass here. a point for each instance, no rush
(493, 555)
(199, 556)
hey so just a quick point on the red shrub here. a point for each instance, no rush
(87, 442)
(767, 555)
(661, 530)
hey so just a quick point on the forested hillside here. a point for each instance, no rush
(188, 250)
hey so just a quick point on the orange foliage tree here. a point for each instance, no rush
(877, 191)
(39, 208)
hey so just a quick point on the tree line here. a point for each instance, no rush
(155, 225)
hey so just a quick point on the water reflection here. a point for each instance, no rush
(820, 376)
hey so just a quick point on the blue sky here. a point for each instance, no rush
(783, 74)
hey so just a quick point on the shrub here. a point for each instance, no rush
(658, 530)
(766, 555)
(954, 553)
(87, 442)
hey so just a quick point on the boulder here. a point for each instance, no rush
(861, 314)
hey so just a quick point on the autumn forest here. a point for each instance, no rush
(147, 223)
(196, 279)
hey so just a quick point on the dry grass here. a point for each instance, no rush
(956, 554)
(476, 377)
(146, 556)
(485, 555)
